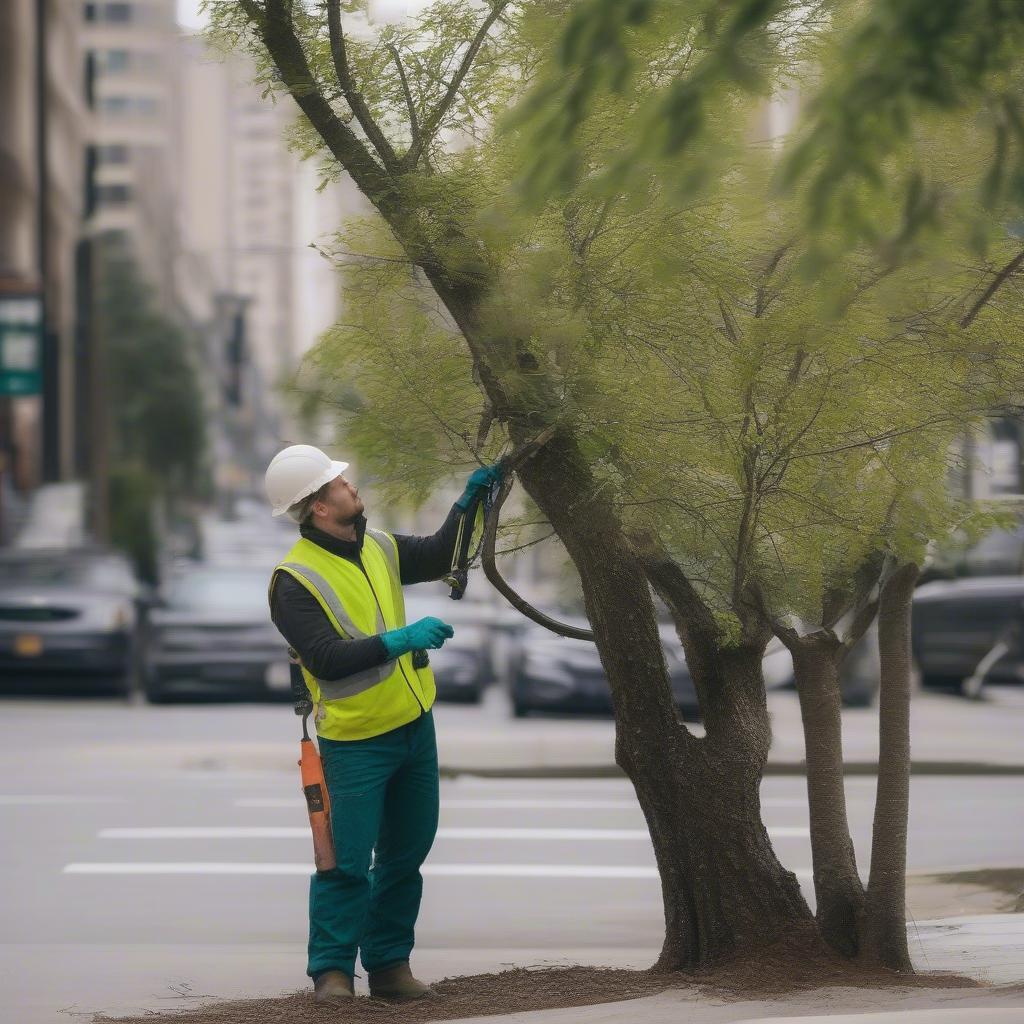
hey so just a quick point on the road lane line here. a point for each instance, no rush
(47, 800)
(298, 832)
(459, 804)
(463, 870)
(514, 804)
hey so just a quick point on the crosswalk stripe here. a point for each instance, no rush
(296, 832)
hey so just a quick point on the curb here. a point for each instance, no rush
(785, 768)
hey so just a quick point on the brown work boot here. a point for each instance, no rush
(397, 982)
(334, 987)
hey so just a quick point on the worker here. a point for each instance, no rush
(337, 599)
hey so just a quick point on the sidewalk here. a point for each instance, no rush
(949, 734)
(989, 948)
(957, 1006)
(158, 978)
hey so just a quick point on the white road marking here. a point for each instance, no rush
(280, 832)
(458, 804)
(525, 804)
(48, 800)
(475, 870)
(204, 832)
(540, 871)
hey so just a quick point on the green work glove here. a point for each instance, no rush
(428, 632)
(482, 477)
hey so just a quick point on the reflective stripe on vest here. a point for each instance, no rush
(349, 685)
(330, 598)
(388, 547)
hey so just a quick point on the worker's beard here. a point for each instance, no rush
(351, 519)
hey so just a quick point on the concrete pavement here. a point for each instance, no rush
(131, 979)
(952, 1006)
(674, 1007)
(950, 735)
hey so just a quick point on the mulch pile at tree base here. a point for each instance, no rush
(788, 966)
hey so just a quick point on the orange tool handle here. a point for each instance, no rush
(318, 804)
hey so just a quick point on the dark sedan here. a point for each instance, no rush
(958, 628)
(68, 618)
(555, 673)
(957, 623)
(212, 638)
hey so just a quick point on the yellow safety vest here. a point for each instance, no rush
(360, 604)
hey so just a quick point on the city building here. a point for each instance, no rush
(238, 185)
(249, 211)
(133, 48)
(44, 111)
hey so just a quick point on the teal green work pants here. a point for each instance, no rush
(384, 806)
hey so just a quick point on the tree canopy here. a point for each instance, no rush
(749, 408)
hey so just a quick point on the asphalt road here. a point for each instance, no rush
(135, 868)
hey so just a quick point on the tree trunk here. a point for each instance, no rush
(723, 888)
(837, 886)
(884, 930)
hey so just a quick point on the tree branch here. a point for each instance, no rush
(787, 634)
(414, 127)
(433, 121)
(762, 299)
(672, 585)
(1011, 268)
(274, 26)
(352, 95)
(487, 551)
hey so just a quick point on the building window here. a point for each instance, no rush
(114, 104)
(114, 13)
(113, 153)
(113, 61)
(1004, 457)
(119, 106)
(117, 13)
(113, 195)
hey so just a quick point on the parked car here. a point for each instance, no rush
(556, 673)
(956, 623)
(212, 637)
(70, 616)
(463, 666)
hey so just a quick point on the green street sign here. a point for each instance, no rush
(21, 330)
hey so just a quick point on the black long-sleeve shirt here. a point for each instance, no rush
(302, 622)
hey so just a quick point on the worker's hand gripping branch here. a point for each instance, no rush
(480, 479)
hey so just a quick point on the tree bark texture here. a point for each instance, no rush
(838, 890)
(884, 931)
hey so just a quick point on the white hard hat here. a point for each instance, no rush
(296, 472)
